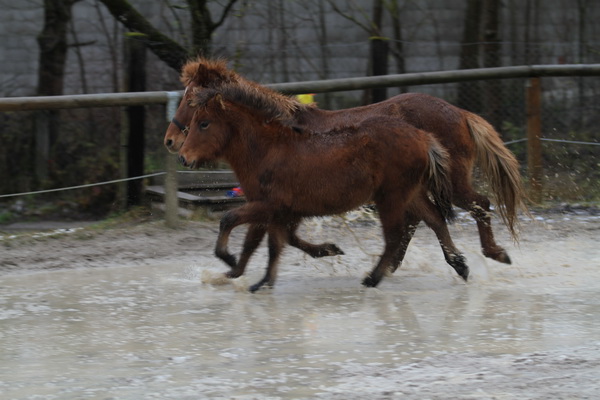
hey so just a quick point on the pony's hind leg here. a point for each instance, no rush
(479, 208)
(434, 219)
(277, 236)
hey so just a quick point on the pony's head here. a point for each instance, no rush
(203, 74)
(195, 75)
(209, 129)
(179, 127)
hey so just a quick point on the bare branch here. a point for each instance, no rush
(225, 13)
(169, 51)
(367, 27)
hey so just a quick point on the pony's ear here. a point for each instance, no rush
(202, 96)
(220, 100)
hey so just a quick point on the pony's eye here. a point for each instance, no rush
(204, 124)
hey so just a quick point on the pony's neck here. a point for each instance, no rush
(248, 144)
(253, 138)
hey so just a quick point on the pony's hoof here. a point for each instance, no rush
(334, 250)
(330, 249)
(254, 288)
(227, 258)
(503, 258)
(499, 255)
(233, 274)
(325, 250)
(459, 264)
(370, 282)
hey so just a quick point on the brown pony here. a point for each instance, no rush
(289, 174)
(467, 138)
(202, 74)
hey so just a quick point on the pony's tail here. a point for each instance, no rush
(439, 183)
(501, 169)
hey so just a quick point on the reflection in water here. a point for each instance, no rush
(149, 332)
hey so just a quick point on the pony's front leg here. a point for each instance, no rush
(255, 234)
(434, 219)
(253, 213)
(277, 238)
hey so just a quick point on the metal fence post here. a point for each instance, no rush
(534, 143)
(171, 201)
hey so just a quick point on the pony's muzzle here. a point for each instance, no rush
(189, 164)
(183, 161)
(172, 146)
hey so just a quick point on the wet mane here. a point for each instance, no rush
(207, 73)
(214, 74)
(273, 105)
(261, 105)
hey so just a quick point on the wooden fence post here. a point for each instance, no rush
(171, 186)
(171, 201)
(534, 143)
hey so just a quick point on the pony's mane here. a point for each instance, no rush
(275, 106)
(214, 74)
(256, 104)
(207, 73)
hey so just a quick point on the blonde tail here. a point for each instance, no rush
(501, 169)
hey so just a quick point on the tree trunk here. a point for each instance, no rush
(397, 49)
(379, 56)
(202, 27)
(469, 96)
(582, 8)
(324, 56)
(378, 53)
(53, 54)
(492, 58)
(136, 82)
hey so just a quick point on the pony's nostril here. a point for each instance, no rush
(182, 161)
(169, 143)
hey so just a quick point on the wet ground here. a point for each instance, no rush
(162, 329)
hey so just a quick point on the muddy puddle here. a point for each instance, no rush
(156, 331)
